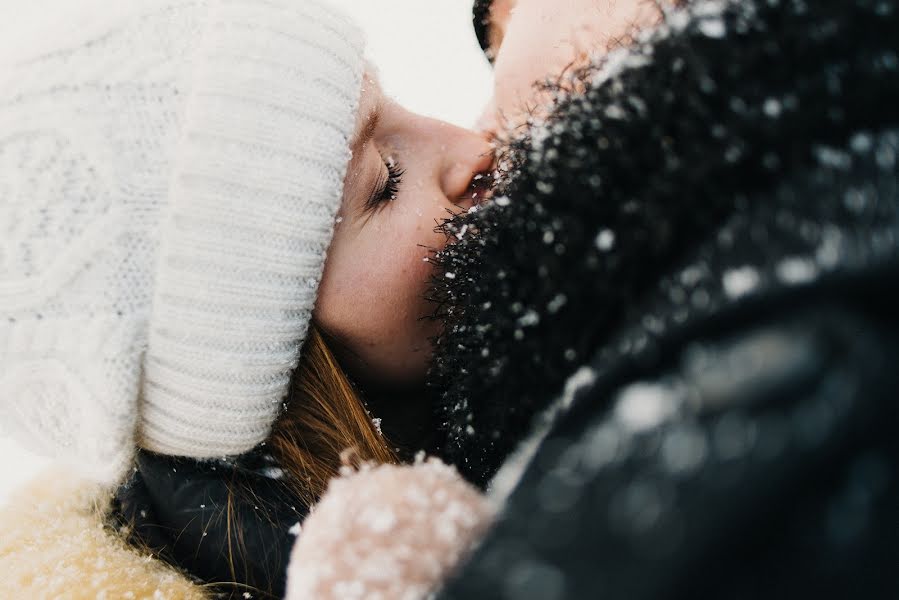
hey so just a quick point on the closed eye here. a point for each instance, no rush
(388, 187)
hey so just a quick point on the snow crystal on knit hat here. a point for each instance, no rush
(169, 177)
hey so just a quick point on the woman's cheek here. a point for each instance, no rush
(410, 271)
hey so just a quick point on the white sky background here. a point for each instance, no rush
(428, 59)
(428, 56)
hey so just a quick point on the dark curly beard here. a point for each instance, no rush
(633, 168)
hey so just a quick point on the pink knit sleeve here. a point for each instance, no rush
(387, 532)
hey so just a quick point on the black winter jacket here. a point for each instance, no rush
(695, 264)
(224, 522)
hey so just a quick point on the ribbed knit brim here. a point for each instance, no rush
(257, 182)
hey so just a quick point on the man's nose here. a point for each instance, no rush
(487, 123)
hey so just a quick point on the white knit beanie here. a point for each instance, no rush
(170, 172)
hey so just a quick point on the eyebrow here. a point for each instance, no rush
(367, 132)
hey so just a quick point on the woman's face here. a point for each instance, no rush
(406, 173)
(532, 40)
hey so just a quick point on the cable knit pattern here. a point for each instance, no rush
(169, 177)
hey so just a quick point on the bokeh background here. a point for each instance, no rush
(427, 58)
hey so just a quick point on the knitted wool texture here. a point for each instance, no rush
(169, 177)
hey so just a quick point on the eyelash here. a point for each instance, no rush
(391, 186)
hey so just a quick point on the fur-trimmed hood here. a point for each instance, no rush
(56, 544)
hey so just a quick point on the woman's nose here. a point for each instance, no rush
(466, 155)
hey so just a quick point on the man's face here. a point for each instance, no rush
(536, 40)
